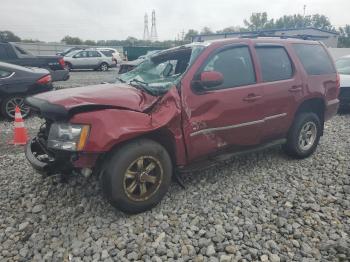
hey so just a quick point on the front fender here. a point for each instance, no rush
(110, 127)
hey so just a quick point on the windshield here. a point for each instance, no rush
(158, 73)
(343, 66)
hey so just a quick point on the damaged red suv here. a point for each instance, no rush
(184, 108)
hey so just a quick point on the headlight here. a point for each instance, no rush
(67, 136)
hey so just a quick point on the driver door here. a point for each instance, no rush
(228, 116)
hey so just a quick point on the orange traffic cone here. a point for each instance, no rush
(20, 136)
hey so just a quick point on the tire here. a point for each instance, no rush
(123, 170)
(69, 66)
(104, 67)
(304, 135)
(8, 105)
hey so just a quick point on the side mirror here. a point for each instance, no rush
(208, 79)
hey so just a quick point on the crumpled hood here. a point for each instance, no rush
(108, 95)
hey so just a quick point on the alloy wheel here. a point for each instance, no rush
(307, 136)
(143, 178)
(11, 104)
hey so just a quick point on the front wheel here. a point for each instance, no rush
(137, 176)
(8, 107)
(304, 135)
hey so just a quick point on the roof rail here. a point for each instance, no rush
(299, 36)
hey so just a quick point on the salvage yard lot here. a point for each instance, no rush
(264, 205)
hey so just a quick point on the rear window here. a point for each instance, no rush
(315, 59)
(275, 63)
(107, 53)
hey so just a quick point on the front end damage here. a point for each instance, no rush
(49, 161)
(109, 127)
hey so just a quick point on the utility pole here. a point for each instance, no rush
(304, 10)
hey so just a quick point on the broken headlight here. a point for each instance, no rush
(67, 136)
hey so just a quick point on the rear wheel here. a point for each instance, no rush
(137, 176)
(304, 135)
(104, 67)
(8, 107)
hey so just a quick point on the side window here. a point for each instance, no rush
(315, 59)
(82, 54)
(94, 54)
(3, 52)
(4, 73)
(235, 64)
(275, 63)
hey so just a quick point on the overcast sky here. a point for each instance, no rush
(51, 20)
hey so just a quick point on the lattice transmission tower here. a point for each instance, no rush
(145, 30)
(154, 34)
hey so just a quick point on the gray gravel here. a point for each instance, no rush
(260, 207)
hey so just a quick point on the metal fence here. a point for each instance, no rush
(53, 48)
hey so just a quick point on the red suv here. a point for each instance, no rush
(184, 108)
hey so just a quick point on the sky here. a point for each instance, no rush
(51, 20)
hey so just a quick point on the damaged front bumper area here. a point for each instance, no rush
(51, 162)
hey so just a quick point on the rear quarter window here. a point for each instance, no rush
(314, 59)
(4, 73)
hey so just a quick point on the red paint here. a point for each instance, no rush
(181, 115)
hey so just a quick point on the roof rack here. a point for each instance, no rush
(303, 37)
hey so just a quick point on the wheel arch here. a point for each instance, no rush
(315, 105)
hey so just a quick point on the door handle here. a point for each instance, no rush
(252, 98)
(296, 88)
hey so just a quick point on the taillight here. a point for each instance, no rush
(338, 81)
(62, 63)
(45, 80)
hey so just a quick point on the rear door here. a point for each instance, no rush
(228, 116)
(95, 59)
(282, 84)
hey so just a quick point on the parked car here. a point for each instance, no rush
(111, 52)
(88, 59)
(68, 50)
(17, 82)
(14, 54)
(130, 65)
(184, 108)
(343, 67)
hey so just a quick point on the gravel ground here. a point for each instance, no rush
(260, 207)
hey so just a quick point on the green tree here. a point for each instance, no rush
(190, 33)
(9, 36)
(259, 21)
(344, 36)
(89, 42)
(206, 30)
(69, 40)
(229, 29)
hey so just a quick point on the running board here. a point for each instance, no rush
(212, 161)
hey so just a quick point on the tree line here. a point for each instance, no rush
(256, 22)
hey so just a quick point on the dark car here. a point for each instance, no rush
(17, 82)
(14, 54)
(185, 108)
